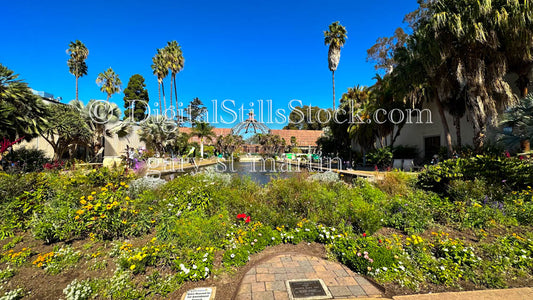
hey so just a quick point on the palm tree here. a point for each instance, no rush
(203, 131)
(161, 71)
(76, 63)
(109, 82)
(155, 134)
(22, 114)
(98, 114)
(335, 37)
(469, 34)
(175, 62)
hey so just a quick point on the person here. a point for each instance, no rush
(435, 159)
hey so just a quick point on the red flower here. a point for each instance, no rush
(364, 234)
(241, 216)
(379, 241)
(247, 219)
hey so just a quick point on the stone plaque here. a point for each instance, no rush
(200, 294)
(307, 289)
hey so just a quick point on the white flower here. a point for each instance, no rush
(232, 255)
(442, 268)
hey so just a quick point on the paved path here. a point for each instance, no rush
(507, 294)
(267, 280)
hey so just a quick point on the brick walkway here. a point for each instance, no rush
(267, 280)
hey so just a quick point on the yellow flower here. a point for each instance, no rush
(90, 198)
(93, 193)
(103, 189)
(122, 183)
(83, 202)
(76, 217)
(132, 267)
(127, 198)
(80, 211)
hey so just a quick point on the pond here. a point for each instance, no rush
(261, 171)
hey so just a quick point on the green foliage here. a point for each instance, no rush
(511, 173)
(68, 128)
(136, 91)
(402, 152)
(109, 82)
(13, 294)
(27, 160)
(381, 157)
(411, 213)
(195, 110)
(307, 118)
(363, 254)
(78, 290)
(22, 114)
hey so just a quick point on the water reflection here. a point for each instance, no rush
(260, 172)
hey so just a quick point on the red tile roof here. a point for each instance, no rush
(217, 131)
(304, 138)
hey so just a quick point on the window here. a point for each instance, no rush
(431, 146)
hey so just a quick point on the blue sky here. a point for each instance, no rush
(239, 50)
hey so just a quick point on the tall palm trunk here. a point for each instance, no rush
(202, 148)
(457, 122)
(77, 87)
(164, 99)
(159, 93)
(170, 91)
(445, 127)
(176, 94)
(333, 79)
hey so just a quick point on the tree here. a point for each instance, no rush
(136, 91)
(174, 62)
(67, 129)
(335, 37)
(195, 110)
(228, 144)
(157, 133)
(204, 132)
(519, 121)
(97, 115)
(308, 118)
(272, 144)
(469, 34)
(76, 63)
(161, 71)
(382, 52)
(22, 114)
(109, 83)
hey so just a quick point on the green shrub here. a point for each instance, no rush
(509, 173)
(27, 160)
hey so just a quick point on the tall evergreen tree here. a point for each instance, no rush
(195, 110)
(136, 91)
